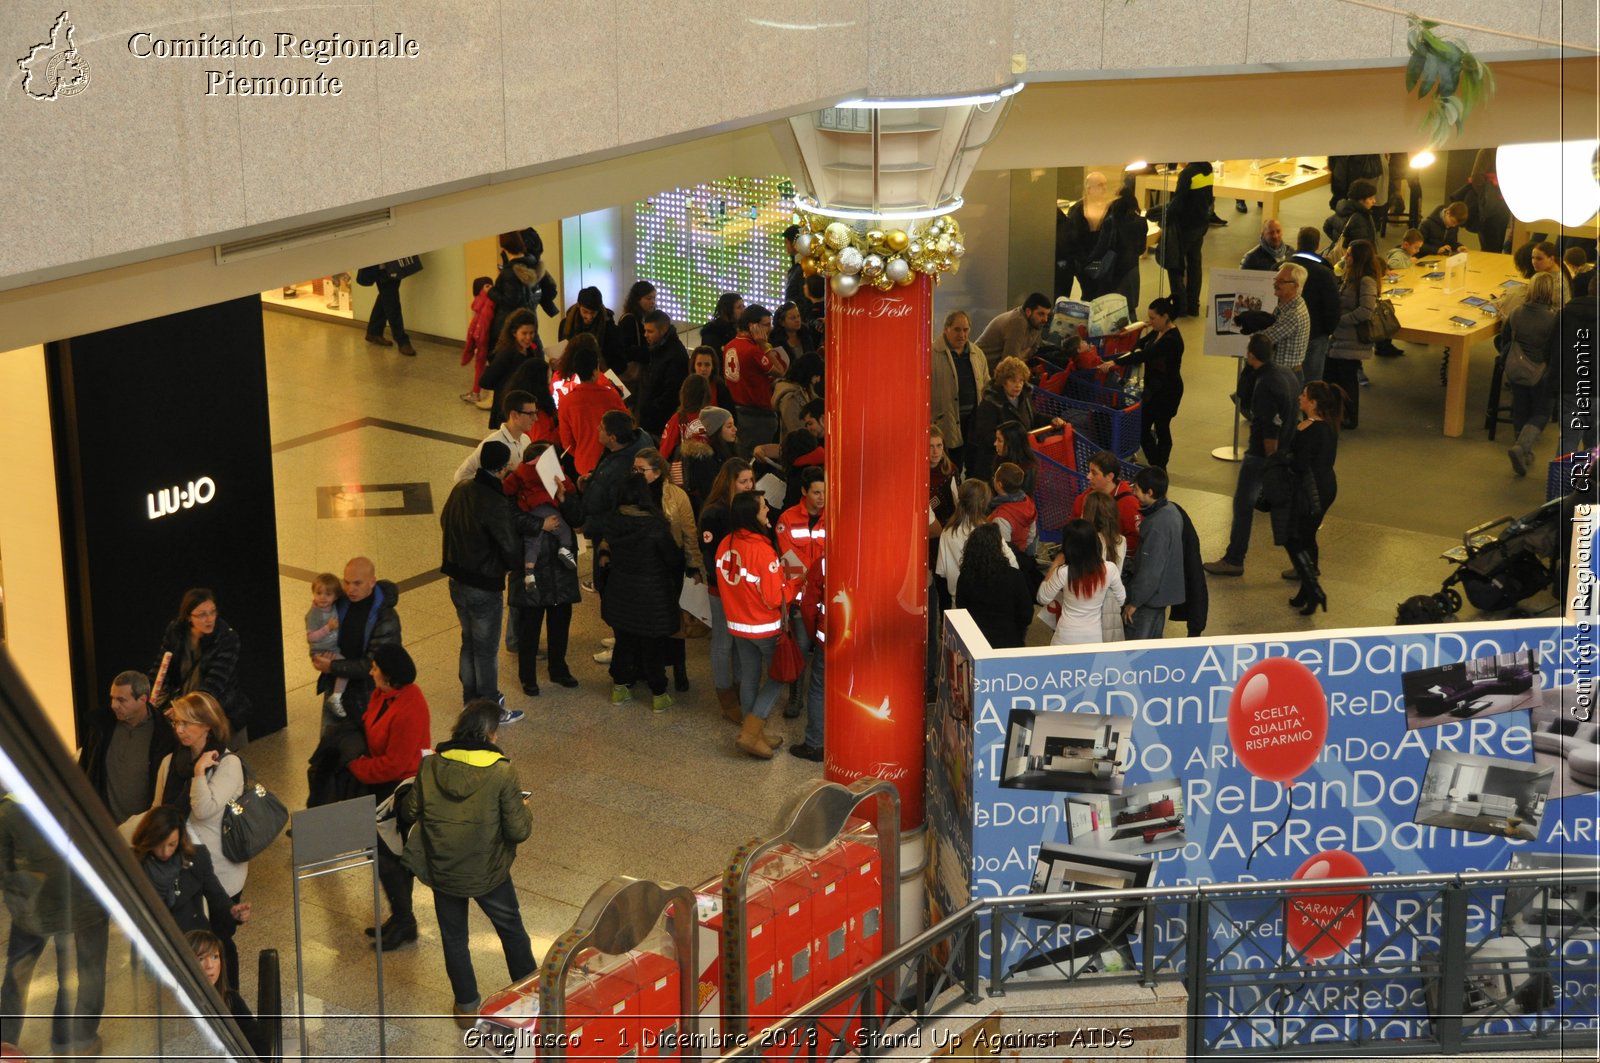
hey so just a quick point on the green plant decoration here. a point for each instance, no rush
(1457, 80)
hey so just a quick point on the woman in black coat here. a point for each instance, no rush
(547, 604)
(1160, 351)
(183, 877)
(643, 566)
(993, 591)
(205, 656)
(1009, 397)
(1311, 458)
(516, 344)
(720, 330)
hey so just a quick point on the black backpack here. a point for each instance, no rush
(1333, 226)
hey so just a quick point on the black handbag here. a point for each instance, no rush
(367, 276)
(251, 821)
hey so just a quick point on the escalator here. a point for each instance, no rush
(95, 965)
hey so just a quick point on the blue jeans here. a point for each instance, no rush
(757, 691)
(500, 905)
(479, 613)
(1148, 622)
(1316, 358)
(723, 675)
(1244, 507)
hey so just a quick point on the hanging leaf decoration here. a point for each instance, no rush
(1458, 81)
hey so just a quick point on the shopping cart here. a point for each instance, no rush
(1060, 481)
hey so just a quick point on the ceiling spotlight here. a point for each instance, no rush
(1421, 160)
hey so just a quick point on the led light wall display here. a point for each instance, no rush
(695, 243)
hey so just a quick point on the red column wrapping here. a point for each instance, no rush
(878, 346)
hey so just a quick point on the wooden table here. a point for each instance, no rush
(1239, 181)
(1425, 317)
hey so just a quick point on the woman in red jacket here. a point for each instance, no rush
(755, 600)
(398, 729)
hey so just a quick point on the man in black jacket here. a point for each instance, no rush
(666, 367)
(367, 620)
(1270, 393)
(1439, 229)
(1321, 293)
(125, 747)
(1270, 252)
(1188, 218)
(480, 547)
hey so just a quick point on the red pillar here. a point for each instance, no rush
(878, 346)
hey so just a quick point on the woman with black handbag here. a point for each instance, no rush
(1358, 301)
(1312, 488)
(199, 780)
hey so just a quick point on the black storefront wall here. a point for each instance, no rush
(164, 465)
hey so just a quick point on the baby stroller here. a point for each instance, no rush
(1497, 571)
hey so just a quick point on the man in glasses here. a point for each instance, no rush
(520, 412)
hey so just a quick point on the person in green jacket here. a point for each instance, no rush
(470, 816)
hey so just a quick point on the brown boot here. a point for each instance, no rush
(728, 699)
(774, 739)
(751, 740)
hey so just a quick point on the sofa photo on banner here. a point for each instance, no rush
(1485, 795)
(1485, 686)
(1566, 739)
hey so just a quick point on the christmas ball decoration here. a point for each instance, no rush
(802, 243)
(845, 284)
(897, 270)
(896, 240)
(850, 260)
(872, 266)
(836, 235)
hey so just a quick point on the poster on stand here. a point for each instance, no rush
(1319, 755)
(1234, 291)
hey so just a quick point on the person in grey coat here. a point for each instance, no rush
(1157, 581)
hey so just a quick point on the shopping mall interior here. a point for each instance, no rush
(363, 442)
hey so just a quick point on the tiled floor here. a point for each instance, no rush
(619, 790)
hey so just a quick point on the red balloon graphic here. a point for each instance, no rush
(1341, 915)
(1278, 719)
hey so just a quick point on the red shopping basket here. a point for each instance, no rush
(1059, 482)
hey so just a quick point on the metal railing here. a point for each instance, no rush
(1403, 964)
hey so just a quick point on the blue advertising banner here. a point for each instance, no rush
(1323, 755)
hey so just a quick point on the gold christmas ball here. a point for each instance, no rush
(896, 240)
(882, 283)
(914, 249)
(836, 235)
(906, 280)
(942, 245)
(808, 266)
(875, 238)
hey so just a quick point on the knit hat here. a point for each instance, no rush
(395, 663)
(713, 418)
(493, 456)
(589, 299)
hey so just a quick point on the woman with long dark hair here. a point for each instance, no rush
(734, 478)
(694, 395)
(674, 502)
(633, 347)
(1012, 443)
(644, 576)
(992, 590)
(755, 600)
(1160, 351)
(706, 362)
(208, 951)
(724, 324)
(1080, 580)
(1311, 457)
(517, 343)
(1358, 299)
(790, 333)
(205, 657)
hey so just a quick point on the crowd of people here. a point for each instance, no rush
(695, 478)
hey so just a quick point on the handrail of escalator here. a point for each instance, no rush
(38, 761)
(269, 1003)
